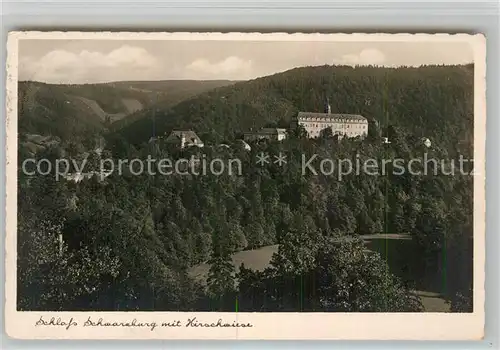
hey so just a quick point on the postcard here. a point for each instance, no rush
(245, 186)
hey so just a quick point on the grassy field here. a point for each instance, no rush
(395, 248)
(433, 302)
(256, 259)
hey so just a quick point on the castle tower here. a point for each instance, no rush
(328, 108)
(183, 140)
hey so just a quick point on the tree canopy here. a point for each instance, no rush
(128, 242)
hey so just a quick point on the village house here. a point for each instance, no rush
(79, 177)
(343, 125)
(276, 134)
(245, 145)
(184, 138)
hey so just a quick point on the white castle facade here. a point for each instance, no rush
(343, 125)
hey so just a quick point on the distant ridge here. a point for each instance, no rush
(430, 101)
(69, 110)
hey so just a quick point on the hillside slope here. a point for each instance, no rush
(50, 110)
(431, 101)
(164, 94)
(72, 110)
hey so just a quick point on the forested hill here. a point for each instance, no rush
(431, 101)
(165, 94)
(79, 110)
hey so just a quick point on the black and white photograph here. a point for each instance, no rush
(218, 178)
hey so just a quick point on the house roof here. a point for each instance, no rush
(187, 134)
(328, 116)
(267, 131)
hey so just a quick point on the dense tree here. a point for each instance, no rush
(135, 238)
(341, 276)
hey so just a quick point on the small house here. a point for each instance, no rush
(426, 142)
(184, 138)
(275, 134)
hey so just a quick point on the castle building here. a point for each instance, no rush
(343, 125)
(276, 134)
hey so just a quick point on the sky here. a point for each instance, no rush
(93, 61)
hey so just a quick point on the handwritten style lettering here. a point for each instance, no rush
(100, 322)
(58, 322)
(134, 323)
(172, 324)
(193, 322)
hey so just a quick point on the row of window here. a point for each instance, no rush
(336, 126)
(347, 133)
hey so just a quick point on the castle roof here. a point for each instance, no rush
(314, 116)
